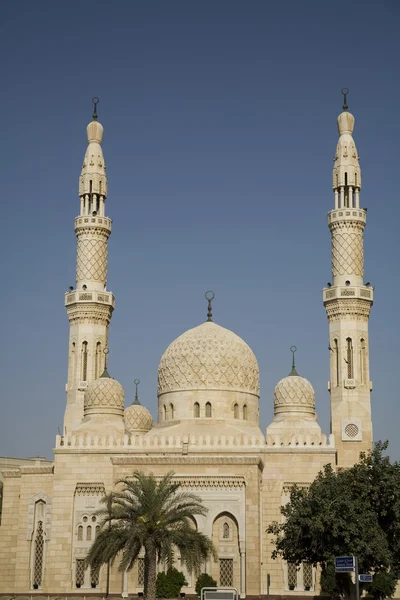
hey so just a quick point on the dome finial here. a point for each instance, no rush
(345, 91)
(105, 372)
(209, 296)
(293, 349)
(95, 101)
(136, 400)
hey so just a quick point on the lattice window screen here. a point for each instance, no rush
(79, 572)
(39, 550)
(307, 575)
(140, 576)
(94, 578)
(292, 574)
(226, 572)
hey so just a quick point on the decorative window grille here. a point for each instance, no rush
(236, 411)
(208, 409)
(225, 531)
(80, 533)
(307, 575)
(196, 410)
(292, 575)
(226, 572)
(349, 358)
(38, 560)
(79, 572)
(97, 367)
(140, 572)
(94, 578)
(171, 411)
(245, 412)
(84, 360)
(89, 533)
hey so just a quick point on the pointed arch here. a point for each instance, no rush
(236, 411)
(208, 409)
(84, 360)
(196, 410)
(349, 358)
(245, 412)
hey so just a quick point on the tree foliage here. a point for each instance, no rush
(153, 515)
(169, 584)
(353, 511)
(204, 580)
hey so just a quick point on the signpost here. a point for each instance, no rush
(345, 564)
(365, 578)
(219, 593)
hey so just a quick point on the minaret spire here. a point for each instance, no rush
(348, 301)
(89, 305)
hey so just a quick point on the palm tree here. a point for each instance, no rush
(154, 515)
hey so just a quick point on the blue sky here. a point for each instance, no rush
(220, 130)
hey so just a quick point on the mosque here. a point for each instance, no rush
(207, 430)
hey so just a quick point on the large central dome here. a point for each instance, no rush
(208, 357)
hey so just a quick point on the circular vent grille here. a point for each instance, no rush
(351, 430)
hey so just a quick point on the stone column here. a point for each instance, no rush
(125, 585)
(242, 551)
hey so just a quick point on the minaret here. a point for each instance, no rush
(348, 302)
(89, 305)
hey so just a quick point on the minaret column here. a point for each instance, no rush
(89, 305)
(348, 302)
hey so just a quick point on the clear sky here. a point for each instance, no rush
(220, 132)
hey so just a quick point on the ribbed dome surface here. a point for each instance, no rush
(208, 357)
(104, 395)
(294, 393)
(137, 418)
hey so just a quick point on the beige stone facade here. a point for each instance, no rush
(208, 421)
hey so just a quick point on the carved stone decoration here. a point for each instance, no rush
(347, 248)
(90, 488)
(39, 497)
(348, 309)
(208, 357)
(91, 258)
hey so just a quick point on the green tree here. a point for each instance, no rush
(353, 511)
(204, 580)
(169, 584)
(153, 515)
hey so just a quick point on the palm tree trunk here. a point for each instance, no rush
(150, 571)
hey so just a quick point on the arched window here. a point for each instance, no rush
(208, 409)
(196, 410)
(84, 361)
(97, 530)
(355, 180)
(346, 192)
(97, 366)
(72, 364)
(236, 411)
(245, 412)
(363, 361)
(350, 372)
(80, 533)
(171, 411)
(38, 549)
(89, 533)
(336, 350)
(165, 412)
(225, 531)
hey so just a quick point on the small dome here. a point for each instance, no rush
(105, 395)
(294, 394)
(208, 357)
(137, 418)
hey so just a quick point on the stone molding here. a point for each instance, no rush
(90, 488)
(288, 485)
(210, 460)
(11, 473)
(90, 312)
(36, 470)
(348, 309)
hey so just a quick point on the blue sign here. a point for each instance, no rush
(344, 564)
(365, 578)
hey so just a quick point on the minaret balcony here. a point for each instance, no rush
(363, 292)
(96, 221)
(83, 297)
(347, 214)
